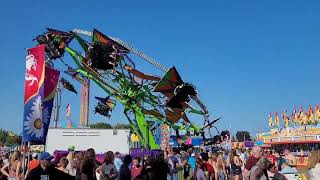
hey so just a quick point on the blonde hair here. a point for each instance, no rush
(313, 158)
(220, 162)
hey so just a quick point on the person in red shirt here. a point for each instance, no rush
(252, 161)
(271, 157)
(34, 162)
(136, 168)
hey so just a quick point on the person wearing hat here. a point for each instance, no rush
(34, 162)
(45, 170)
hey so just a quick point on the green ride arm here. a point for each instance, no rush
(142, 124)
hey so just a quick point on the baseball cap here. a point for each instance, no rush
(45, 156)
(71, 148)
(34, 155)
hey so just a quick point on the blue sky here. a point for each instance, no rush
(247, 58)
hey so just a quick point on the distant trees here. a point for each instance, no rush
(243, 136)
(101, 126)
(109, 126)
(9, 138)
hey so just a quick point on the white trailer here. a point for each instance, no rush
(102, 140)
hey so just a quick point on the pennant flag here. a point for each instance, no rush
(301, 116)
(276, 120)
(317, 112)
(294, 117)
(33, 122)
(311, 117)
(270, 120)
(286, 120)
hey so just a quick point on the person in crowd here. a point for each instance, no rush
(2, 176)
(287, 169)
(279, 176)
(13, 170)
(78, 158)
(192, 160)
(34, 162)
(207, 168)
(314, 165)
(161, 167)
(243, 157)
(198, 173)
(136, 168)
(269, 155)
(45, 170)
(125, 173)
(258, 171)
(147, 169)
(272, 170)
(109, 170)
(88, 165)
(117, 161)
(290, 158)
(187, 171)
(5, 159)
(213, 160)
(236, 165)
(62, 166)
(72, 163)
(251, 161)
(174, 162)
(221, 173)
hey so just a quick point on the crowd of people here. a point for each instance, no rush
(171, 164)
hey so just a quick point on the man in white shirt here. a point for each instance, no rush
(117, 161)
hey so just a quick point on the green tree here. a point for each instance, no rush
(243, 136)
(8, 138)
(122, 126)
(101, 126)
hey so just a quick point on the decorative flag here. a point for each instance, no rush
(286, 120)
(33, 122)
(317, 112)
(311, 115)
(270, 119)
(50, 86)
(276, 120)
(301, 116)
(68, 115)
(294, 117)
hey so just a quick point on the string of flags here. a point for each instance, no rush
(309, 117)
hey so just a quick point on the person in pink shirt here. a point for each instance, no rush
(136, 168)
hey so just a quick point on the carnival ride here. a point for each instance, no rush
(111, 64)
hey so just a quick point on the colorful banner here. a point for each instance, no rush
(50, 86)
(33, 124)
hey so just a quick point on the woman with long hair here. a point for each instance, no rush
(198, 173)
(13, 170)
(314, 165)
(88, 165)
(221, 173)
(108, 169)
(236, 170)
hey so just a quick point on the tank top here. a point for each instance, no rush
(13, 169)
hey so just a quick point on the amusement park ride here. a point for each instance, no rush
(111, 64)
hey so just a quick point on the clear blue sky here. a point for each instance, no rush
(247, 58)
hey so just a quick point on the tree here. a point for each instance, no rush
(243, 136)
(122, 126)
(8, 138)
(101, 126)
